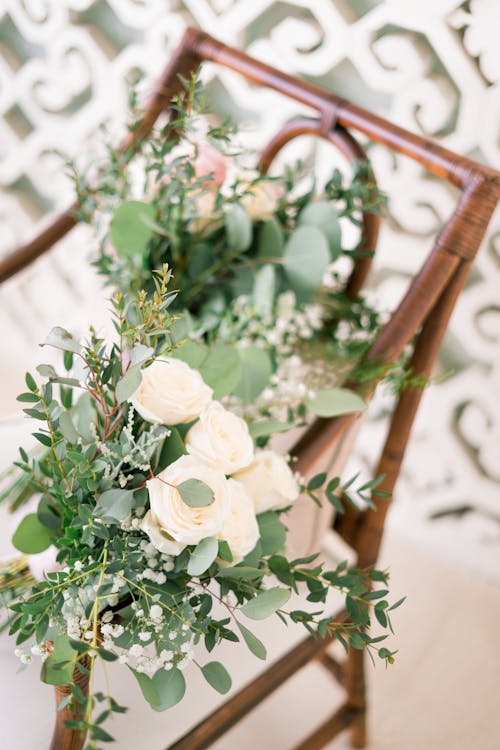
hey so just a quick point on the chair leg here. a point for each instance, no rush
(356, 696)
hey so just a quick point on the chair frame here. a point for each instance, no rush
(421, 317)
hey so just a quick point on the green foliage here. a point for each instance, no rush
(131, 227)
(333, 402)
(195, 493)
(203, 556)
(265, 603)
(31, 536)
(305, 259)
(217, 676)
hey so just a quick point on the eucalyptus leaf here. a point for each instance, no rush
(170, 686)
(192, 353)
(57, 669)
(270, 241)
(238, 227)
(140, 353)
(254, 644)
(67, 428)
(272, 532)
(333, 402)
(264, 289)
(256, 371)
(128, 383)
(265, 603)
(217, 676)
(221, 369)
(84, 416)
(305, 260)
(324, 216)
(130, 229)
(60, 338)
(31, 536)
(148, 688)
(195, 493)
(114, 505)
(173, 448)
(266, 427)
(203, 556)
(240, 572)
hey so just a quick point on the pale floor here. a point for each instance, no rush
(442, 693)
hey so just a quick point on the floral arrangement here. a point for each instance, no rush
(153, 504)
(260, 262)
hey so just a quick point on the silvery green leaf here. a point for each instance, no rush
(324, 216)
(305, 260)
(128, 384)
(115, 505)
(130, 229)
(217, 676)
(265, 603)
(256, 371)
(57, 669)
(203, 556)
(31, 536)
(170, 687)
(264, 289)
(60, 338)
(192, 353)
(254, 644)
(266, 427)
(84, 417)
(140, 353)
(271, 241)
(67, 428)
(238, 227)
(333, 402)
(221, 369)
(195, 493)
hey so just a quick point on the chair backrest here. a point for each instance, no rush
(423, 313)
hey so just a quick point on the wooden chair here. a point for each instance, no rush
(421, 319)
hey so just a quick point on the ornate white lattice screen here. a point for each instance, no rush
(432, 66)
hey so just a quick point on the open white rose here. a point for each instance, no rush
(170, 393)
(269, 481)
(240, 530)
(158, 537)
(220, 439)
(173, 516)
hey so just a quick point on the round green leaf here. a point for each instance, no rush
(238, 227)
(128, 384)
(221, 369)
(333, 402)
(256, 371)
(170, 687)
(203, 556)
(324, 216)
(265, 603)
(130, 229)
(195, 493)
(114, 505)
(31, 536)
(217, 676)
(264, 289)
(271, 241)
(305, 260)
(272, 532)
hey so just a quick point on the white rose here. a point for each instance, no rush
(240, 530)
(173, 516)
(158, 537)
(171, 392)
(220, 439)
(269, 481)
